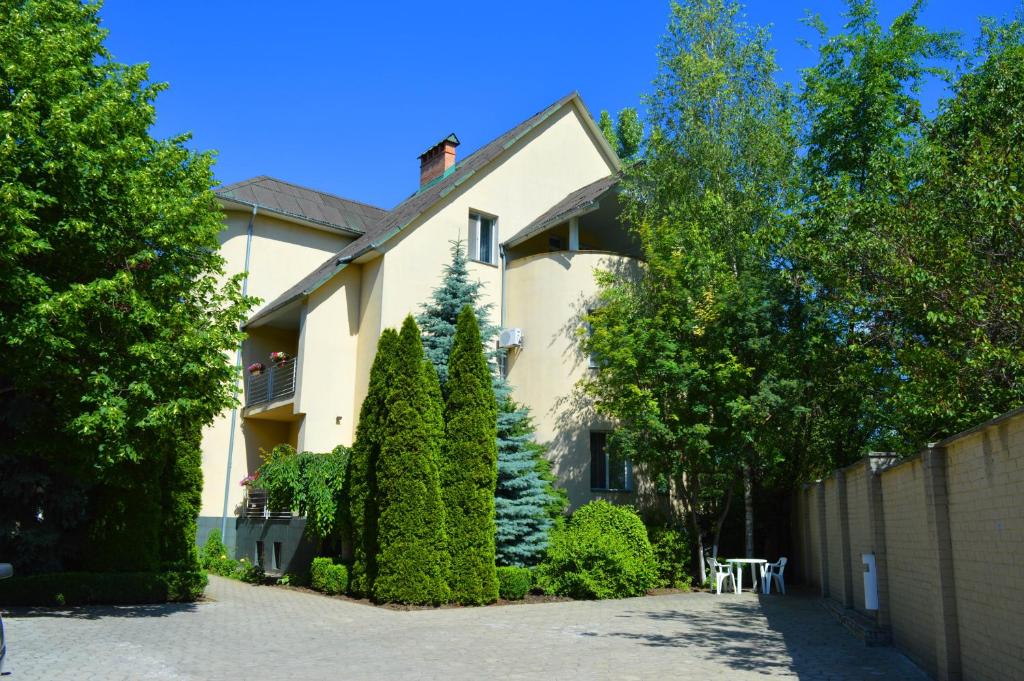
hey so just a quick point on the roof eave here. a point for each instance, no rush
(226, 201)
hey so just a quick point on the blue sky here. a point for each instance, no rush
(343, 96)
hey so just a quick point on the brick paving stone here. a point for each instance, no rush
(265, 632)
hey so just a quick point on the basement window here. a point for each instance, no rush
(483, 238)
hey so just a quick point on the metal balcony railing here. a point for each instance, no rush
(275, 383)
(257, 506)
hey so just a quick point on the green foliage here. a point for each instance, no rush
(215, 559)
(469, 467)
(672, 550)
(696, 344)
(363, 492)
(412, 563)
(625, 137)
(116, 319)
(527, 503)
(310, 483)
(911, 235)
(327, 577)
(514, 582)
(94, 588)
(602, 552)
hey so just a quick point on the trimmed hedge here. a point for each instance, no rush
(327, 577)
(602, 552)
(102, 588)
(514, 582)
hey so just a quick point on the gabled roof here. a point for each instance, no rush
(411, 208)
(576, 203)
(291, 200)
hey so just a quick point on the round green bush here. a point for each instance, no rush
(602, 552)
(514, 582)
(327, 577)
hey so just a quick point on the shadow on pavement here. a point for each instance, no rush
(95, 612)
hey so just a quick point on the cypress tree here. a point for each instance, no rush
(412, 560)
(469, 467)
(526, 500)
(362, 477)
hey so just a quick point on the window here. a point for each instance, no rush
(608, 471)
(483, 238)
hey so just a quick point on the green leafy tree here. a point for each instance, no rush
(897, 366)
(694, 346)
(626, 135)
(469, 466)
(362, 487)
(116, 319)
(527, 502)
(412, 564)
(311, 483)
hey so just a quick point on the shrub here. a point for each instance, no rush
(412, 563)
(514, 582)
(327, 577)
(469, 467)
(361, 484)
(602, 552)
(671, 547)
(311, 483)
(215, 559)
(102, 588)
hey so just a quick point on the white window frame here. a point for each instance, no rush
(473, 243)
(627, 473)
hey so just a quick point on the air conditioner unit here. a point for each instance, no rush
(510, 338)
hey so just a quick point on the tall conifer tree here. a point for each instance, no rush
(412, 560)
(526, 500)
(469, 466)
(362, 476)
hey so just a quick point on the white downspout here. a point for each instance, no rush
(234, 392)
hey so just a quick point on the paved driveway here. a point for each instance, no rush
(248, 632)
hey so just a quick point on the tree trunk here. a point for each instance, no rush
(718, 523)
(748, 507)
(698, 535)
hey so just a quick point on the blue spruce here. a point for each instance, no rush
(527, 504)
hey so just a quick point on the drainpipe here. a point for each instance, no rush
(504, 263)
(234, 392)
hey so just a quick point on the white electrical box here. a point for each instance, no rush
(511, 338)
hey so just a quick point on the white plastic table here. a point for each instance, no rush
(760, 562)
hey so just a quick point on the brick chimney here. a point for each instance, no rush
(435, 161)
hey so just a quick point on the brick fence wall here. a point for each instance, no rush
(946, 528)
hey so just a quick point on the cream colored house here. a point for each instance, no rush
(537, 209)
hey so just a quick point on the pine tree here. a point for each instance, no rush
(526, 500)
(441, 313)
(469, 466)
(412, 560)
(362, 476)
(527, 503)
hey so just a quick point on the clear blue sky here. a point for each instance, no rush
(343, 96)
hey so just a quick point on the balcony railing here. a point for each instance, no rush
(257, 506)
(275, 383)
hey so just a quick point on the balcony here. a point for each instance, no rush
(277, 382)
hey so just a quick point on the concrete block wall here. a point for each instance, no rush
(860, 529)
(946, 528)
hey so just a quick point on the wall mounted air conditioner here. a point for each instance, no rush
(510, 338)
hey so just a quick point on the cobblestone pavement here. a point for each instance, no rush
(246, 632)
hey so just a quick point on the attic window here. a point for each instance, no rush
(483, 238)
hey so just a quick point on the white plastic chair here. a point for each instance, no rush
(720, 573)
(774, 571)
